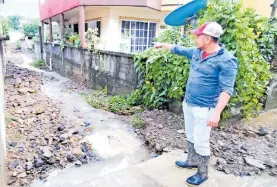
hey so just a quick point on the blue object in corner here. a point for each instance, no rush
(178, 16)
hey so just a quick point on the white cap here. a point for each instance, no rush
(211, 29)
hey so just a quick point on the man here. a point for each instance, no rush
(209, 87)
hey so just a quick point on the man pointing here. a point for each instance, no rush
(209, 87)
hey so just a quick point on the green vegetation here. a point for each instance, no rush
(75, 40)
(5, 26)
(14, 22)
(92, 39)
(137, 122)
(117, 104)
(250, 37)
(38, 63)
(18, 45)
(31, 28)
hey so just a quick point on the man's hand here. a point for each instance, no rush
(222, 102)
(214, 120)
(158, 45)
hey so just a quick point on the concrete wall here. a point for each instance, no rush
(111, 69)
(262, 7)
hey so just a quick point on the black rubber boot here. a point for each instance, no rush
(190, 162)
(202, 173)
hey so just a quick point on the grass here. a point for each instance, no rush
(38, 63)
(116, 104)
(137, 122)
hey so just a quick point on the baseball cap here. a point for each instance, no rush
(211, 29)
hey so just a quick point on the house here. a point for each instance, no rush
(123, 25)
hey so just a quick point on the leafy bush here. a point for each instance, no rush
(75, 40)
(137, 122)
(18, 45)
(5, 26)
(30, 28)
(14, 22)
(116, 104)
(38, 63)
(246, 35)
(92, 39)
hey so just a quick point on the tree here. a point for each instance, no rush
(5, 26)
(14, 22)
(30, 28)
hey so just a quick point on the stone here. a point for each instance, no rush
(253, 162)
(273, 173)
(38, 162)
(166, 149)
(84, 159)
(23, 182)
(182, 131)
(262, 132)
(61, 127)
(12, 144)
(42, 141)
(28, 166)
(220, 143)
(43, 177)
(71, 158)
(46, 151)
(271, 145)
(51, 160)
(221, 161)
(158, 148)
(12, 165)
(87, 123)
(78, 163)
(77, 151)
(269, 138)
(270, 163)
(14, 174)
(75, 132)
(160, 126)
(22, 175)
(227, 170)
(250, 134)
(31, 90)
(154, 155)
(11, 181)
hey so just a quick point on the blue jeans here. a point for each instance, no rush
(196, 128)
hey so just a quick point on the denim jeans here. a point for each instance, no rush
(196, 127)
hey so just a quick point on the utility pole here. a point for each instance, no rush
(274, 6)
(2, 112)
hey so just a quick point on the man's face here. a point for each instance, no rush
(202, 41)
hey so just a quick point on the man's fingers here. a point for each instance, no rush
(212, 124)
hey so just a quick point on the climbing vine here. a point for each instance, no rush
(246, 35)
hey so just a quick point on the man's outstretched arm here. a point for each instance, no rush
(176, 49)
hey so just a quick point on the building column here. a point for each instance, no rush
(61, 26)
(50, 30)
(42, 32)
(82, 25)
(2, 117)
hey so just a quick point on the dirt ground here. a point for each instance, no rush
(240, 149)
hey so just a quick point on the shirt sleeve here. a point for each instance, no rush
(184, 51)
(227, 75)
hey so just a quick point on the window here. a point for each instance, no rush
(93, 25)
(140, 34)
(76, 28)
